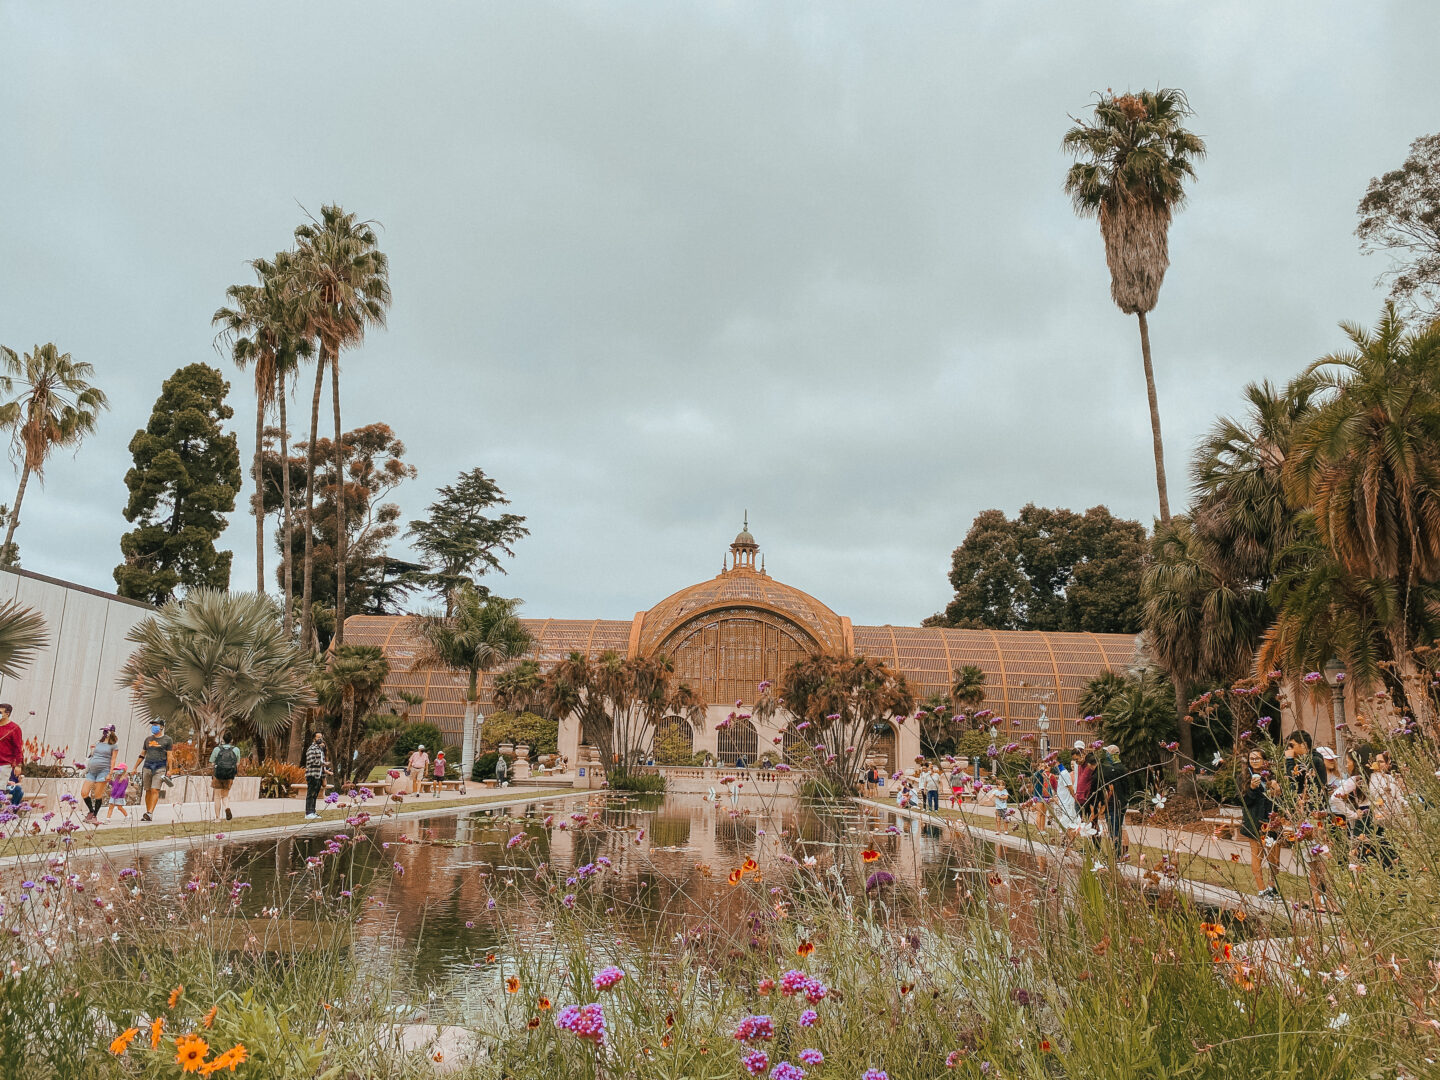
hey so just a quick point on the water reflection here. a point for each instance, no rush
(670, 856)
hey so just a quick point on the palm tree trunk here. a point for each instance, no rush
(5, 551)
(287, 559)
(340, 529)
(258, 473)
(1184, 781)
(1154, 420)
(307, 589)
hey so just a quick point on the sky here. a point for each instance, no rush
(658, 264)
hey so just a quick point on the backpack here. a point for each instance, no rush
(227, 764)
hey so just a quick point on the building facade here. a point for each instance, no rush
(728, 634)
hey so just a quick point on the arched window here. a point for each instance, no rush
(739, 740)
(882, 751)
(674, 741)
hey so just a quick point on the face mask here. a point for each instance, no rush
(154, 729)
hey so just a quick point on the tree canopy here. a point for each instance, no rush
(1400, 214)
(183, 483)
(458, 540)
(1047, 570)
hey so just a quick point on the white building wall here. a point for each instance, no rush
(70, 690)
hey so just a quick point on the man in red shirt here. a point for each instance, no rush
(12, 748)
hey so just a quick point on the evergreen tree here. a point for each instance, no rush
(184, 481)
(458, 540)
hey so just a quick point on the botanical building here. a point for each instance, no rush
(741, 627)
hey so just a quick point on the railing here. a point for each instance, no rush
(699, 777)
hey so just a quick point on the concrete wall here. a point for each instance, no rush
(69, 692)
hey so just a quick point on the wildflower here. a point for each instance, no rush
(870, 855)
(1213, 931)
(236, 1055)
(878, 880)
(811, 1057)
(735, 876)
(804, 949)
(786, 1071)
(755, 1027)
(190, 1051)
(515, 841)
(793, 982)
(174, 996)
(755, 1062)
(543, 1004)
(952, 1059)
(121, 1042)
(512, 984)
(815, 991)
(809, 1018)
(157, 1027)
(875, 1074)
(584, 1022)
(533, 1023)
(209, 1017)
(764, 986)
(749, 866)
(607, 977)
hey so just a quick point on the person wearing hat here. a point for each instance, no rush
(119, 785)
(150, 766)
(439, 772)
(417, 765)
(1114, 795)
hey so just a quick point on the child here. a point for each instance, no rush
(1002, 807)
(119, 785)
(439, 772)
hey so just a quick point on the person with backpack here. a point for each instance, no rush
(1114, 795)
(225, 760)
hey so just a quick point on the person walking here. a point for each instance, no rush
(1307, 784)
(1044, 792)
(1115, 794)
(1258, 791)
(502, 771)
(151, 767)
(1067, 806)
(439, 772)
(416, 767)
(119, 786)
(315, 769)
(12, 755)
(932, 789)
(225, 766)
(98, 767)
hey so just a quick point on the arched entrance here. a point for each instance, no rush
(674, 741)
(739, 740)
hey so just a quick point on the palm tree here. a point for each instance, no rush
(1367, 462)
(22, 635)
(483, 633)
(968, 689)
(342, 279)
(518, 689)
(350, 687)
(218, 660)
(1135, 155)
(56, 407)
(260, 327)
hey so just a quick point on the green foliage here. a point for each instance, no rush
(1047, 570)
(277, 778)
(22, 636)
(638, 782)
(183, 483)
(415, 734)
(348, 687)
(484, 767)
(459, 541)
(527, 729)
(1137, 714)
(672, 748)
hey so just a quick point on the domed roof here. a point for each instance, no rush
(744, 587)
(744, 537)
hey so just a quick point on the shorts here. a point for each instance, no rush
(216, 784)
(150, 778)
(95, 773)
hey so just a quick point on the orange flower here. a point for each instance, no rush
(1044, 1046)
(175, 996)
(490, 958)
(749, 866)
(869, 855)
(543, 1004)
(190, 1051)
(439, 1055)
(236, 1055)
(665, 1040)
(1234, 856)
(121, 1042)
(512, 984)
(804, 949)
(533, 1023)
(1213, 931)
(669, 1020)
(735, 876)
(157, 1027)
(209, 1017)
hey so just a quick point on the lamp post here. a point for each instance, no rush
(1335, 677)
(1043, 723)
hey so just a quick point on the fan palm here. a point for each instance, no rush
(218, 660)
(22, 635)
(56, 406)
(349, 687)
(1134, 156)
(968, 689)
(1367, 462)
(480, 635)
(342, 282)
(261, 329)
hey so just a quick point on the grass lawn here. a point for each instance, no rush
(109, 836)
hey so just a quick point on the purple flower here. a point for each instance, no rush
(1020, 996)
(809, 1018)
(607, 977)
(875, 1074)
(811, 1057)
(755, 1027)
(793, 982)
(584, 1022)
(568, 900)
(515, 841)
(755, 1062)
(786, 1071)
(878, 880)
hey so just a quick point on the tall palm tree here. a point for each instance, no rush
(342, 279)
(56, 406)
(1134, 156)
(216, 660)
(482, 633)
(1367, 462)
(260, 326)
(350, 687)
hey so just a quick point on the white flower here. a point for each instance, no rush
(1158, 800)
(1339, 1021)
(1097, 867)
(809, 860)
(1219, 757)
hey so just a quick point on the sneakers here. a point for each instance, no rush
(311, 817)
(91, 819)
(1268, 893)
(146, 817)
(228, 814)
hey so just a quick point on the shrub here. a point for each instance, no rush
(641, 783)
(277, 777)
(484, 767)
(527, 729)
(413, 735)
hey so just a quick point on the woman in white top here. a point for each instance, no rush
(1387, 794)
(1067, 810)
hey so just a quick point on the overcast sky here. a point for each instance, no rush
(655, 264)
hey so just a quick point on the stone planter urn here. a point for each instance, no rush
(520, 770)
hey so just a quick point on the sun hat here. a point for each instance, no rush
(1326, 753)
(1079, 744)
(420, 747)
(1112, 749)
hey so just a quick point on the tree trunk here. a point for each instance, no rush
(307, 588)
(5, 557)
(287, 558)
(1185, 783)
(340, 528)
(1154, 420)
(258, 473)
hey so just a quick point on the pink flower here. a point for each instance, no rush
(811, 1057)
(755, 1027)
(584, 1022)
(755, 1062)
(607, 977)
(809, 1018)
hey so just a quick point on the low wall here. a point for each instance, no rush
(187, 789)
(695, 780)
